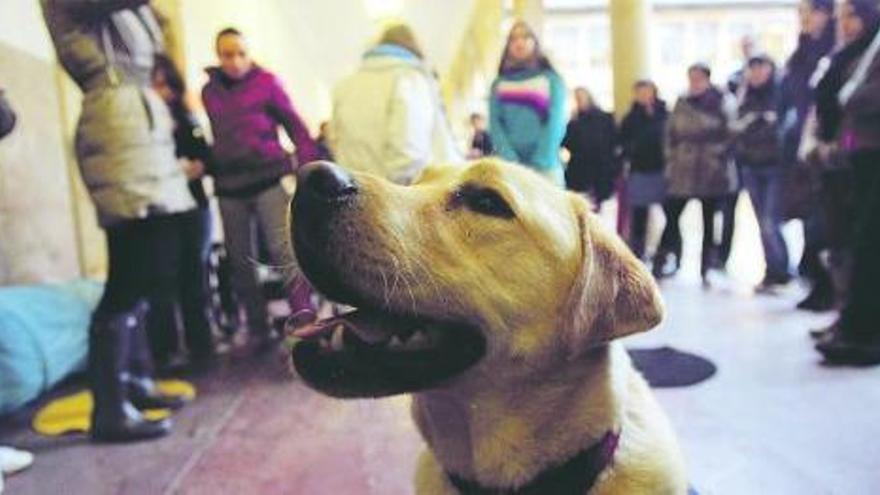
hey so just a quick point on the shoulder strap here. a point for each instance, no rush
(861, 73)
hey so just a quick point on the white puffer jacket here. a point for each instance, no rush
(388, 118)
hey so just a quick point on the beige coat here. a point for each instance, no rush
(124, 143)
(388, 119)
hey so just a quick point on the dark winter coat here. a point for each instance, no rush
(861, 114)
(828, 109)
(756, 142)
(591, 138)
(641, 138)
(245, 115)
(481, 141)
(796, 95)
(124, 144)
(190, 143)
(697, 140)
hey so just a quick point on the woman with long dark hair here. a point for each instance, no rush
(193, 155)
(848, 107)
(527, 106)
(641, 137)
(591, 139)
(816, 40)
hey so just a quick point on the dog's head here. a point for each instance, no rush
(488, 266)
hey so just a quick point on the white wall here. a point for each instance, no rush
(37, 232)
(21, 26)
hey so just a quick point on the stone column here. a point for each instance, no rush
(631, 57)
(531, 11)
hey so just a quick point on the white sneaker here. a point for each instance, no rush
(14, 460)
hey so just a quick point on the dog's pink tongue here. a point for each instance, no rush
(304, 324)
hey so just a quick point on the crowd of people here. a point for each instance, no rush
(801, 139)
(797, 137)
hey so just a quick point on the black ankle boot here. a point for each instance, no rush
(114, 418)
(820, 298)
(138, 377)
(841, 350)
(663, 266)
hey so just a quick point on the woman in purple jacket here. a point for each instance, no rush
(246, 104)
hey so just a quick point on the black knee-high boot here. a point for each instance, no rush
(142, 390)
(114, 418)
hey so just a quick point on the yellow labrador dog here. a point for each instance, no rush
(495, 298)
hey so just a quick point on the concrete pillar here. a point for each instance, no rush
(170, 17)
(631, 57)
(531, 11)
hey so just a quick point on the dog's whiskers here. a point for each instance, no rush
(385, 294)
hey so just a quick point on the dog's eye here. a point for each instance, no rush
(484, 201)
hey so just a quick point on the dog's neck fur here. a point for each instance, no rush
(506, 433)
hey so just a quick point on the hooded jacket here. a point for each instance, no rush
(124, 144)
(388, 117)
(245, 115)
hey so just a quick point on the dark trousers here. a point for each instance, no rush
(194, 292)
(137, 268)
(861, 316)
(638, 229)
(728, 225)
(765, 186)
(265, 212)
(671, 240)
(815, 242)
(183, 250)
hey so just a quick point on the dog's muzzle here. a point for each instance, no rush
(324, 193)
(373, 351)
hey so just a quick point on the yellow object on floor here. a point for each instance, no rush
(73, 413)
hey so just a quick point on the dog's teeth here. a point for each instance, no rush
(337, 343)
(418, 340)
(395, 343)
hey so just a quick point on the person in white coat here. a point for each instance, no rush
(388, 117)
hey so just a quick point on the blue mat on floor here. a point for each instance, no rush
(43, 337)
(665, 367)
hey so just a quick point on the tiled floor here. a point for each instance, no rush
(772, 421)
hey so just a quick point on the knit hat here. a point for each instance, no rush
(760, 59)
(868, 11)
(823, 5)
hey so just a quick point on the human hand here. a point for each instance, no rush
(193, 169)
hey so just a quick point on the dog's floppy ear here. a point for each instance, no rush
(613, 294)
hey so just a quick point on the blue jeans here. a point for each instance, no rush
(765, 187)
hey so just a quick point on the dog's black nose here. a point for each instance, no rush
(326, 181)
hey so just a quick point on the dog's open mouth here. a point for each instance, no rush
(371, 353)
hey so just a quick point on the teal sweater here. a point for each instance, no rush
(527, 119)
